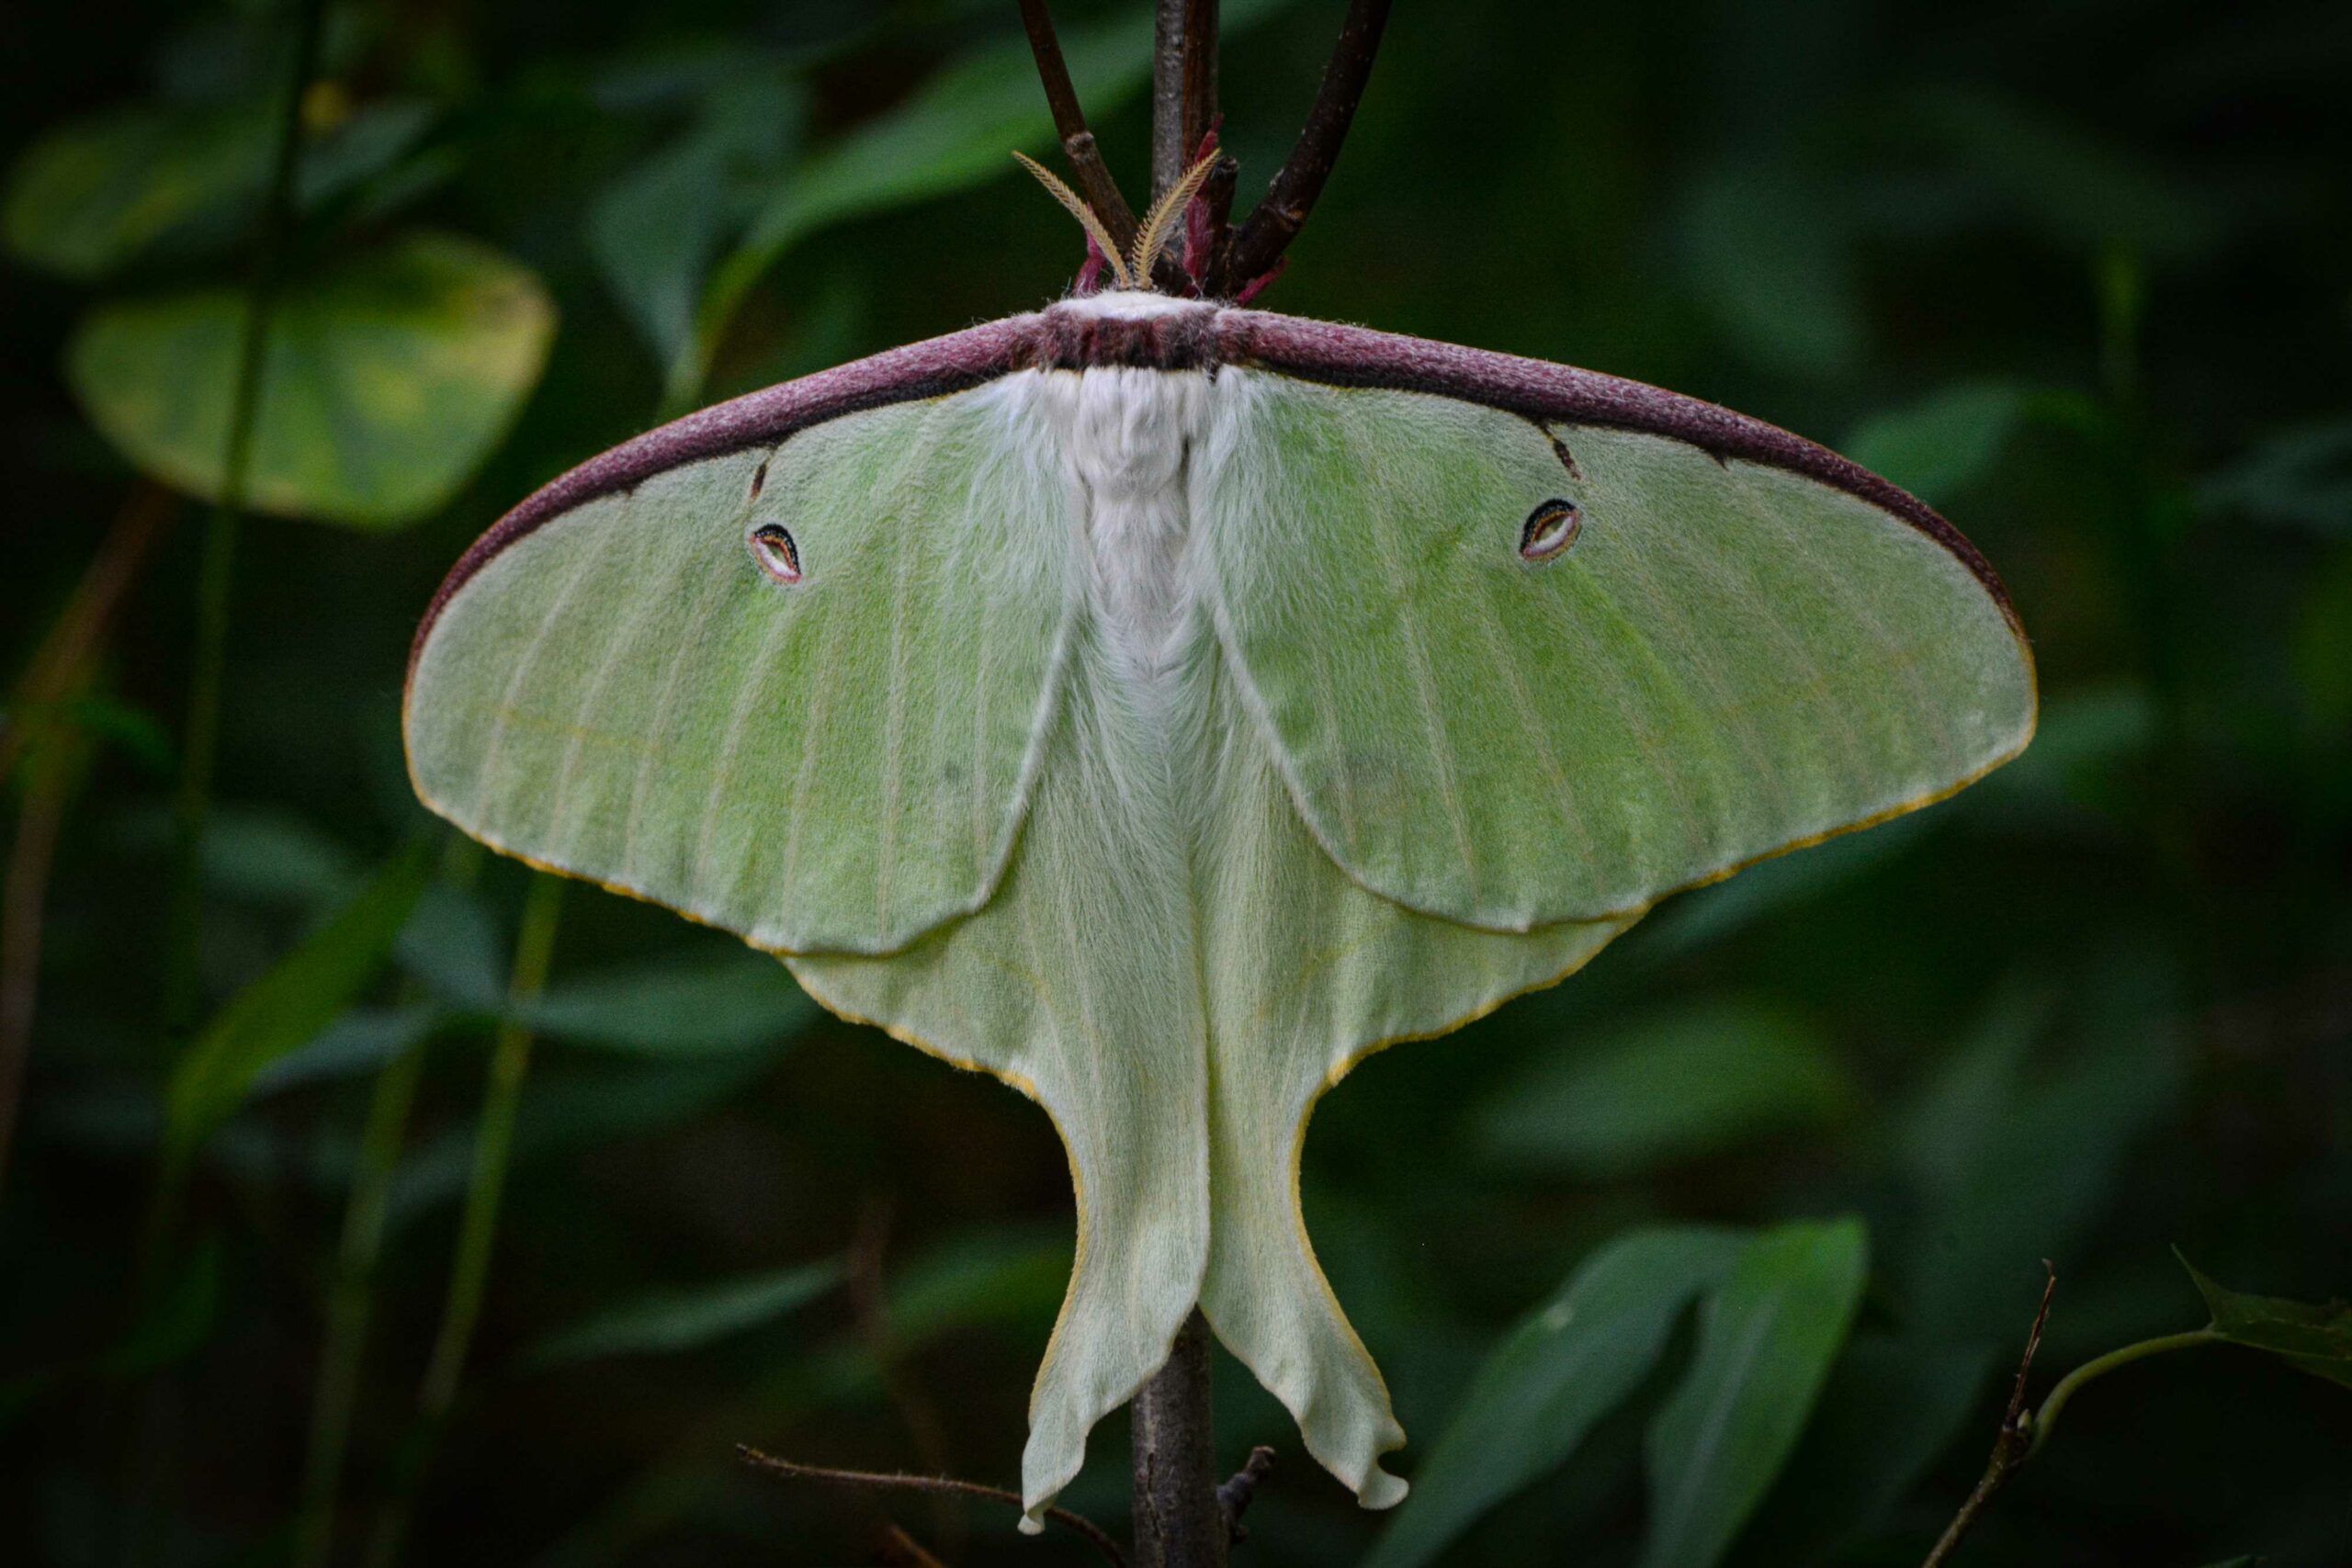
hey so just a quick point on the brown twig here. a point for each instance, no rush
(937, 1486)
(1180, 1521)
(2012, 1446)
(1292, 194)
(1094, 181)
(1235, 1495)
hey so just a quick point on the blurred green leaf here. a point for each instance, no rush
(563, 1112)
(1767, 1337)
(1671, 1085)
(93, 194)
(1943, 444)
(1009, 1274)
(665, 1322)
(1891, 1405)
(1768, 255)
(2300, 476)
(388, 378)
(2083, 732)
(657, 229)
(2317, 1339)
(2013, 1165)
(362, 1041)
(2068, 183)
(740, 1002)
(178, 1319)
(1708, 915)
(288, 1006)
(453, 947)
(274, 857)
(1554, 1376)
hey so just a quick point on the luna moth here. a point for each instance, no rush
(1162, 704)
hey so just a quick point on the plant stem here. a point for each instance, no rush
(2022, 1434)
(349, 1303)
(2072, 1383)
(509, 1063)
(1180, 1523)
(1278, 218)
(185, 911)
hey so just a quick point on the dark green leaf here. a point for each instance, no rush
(741, 1002)
(362, 1041)
(1559, 1371)
(388, 378)
(1891, 1407)
(1672, 1085)
(1943, 444)
(178, 1320)
(665, 1322)
(1766, 250)
(2318, 1339)
(95, 193)
(657, 229)
(288, 1007)
(1767, 1337)
(2302, 478)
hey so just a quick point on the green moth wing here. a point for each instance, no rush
(1161, 707)
(624, 691)
(1523, 670)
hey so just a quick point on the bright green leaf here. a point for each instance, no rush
(1766, 1339)
(1674, 1085)
(1558, 1372)
(2318, 1339)
(742, 1001)
(665, 1322)
(388, 378)
(288, 1007)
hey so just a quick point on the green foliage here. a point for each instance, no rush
(387, 380)
(2318, 1339)
(302, 993)
(665, 1322)
(1674, 1086)
(2077, 282)
(1766, 1339)
(1564, 1366)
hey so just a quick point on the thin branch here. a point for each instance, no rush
(1292, 194)
(1183, 88)
(1094, 181)
(2012, 1446)
(2023, 1433)
(936, 1486)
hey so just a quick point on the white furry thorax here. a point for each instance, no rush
(1127, 436)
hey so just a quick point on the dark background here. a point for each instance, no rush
(2077, 273)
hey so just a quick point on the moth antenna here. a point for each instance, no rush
(1160, 226)
(1084, 214)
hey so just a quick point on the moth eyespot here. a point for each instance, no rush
(1550, 528)
(772, 546)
